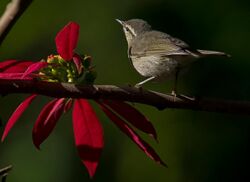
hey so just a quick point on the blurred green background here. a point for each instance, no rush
(197, 146)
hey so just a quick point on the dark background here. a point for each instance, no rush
(197, 146)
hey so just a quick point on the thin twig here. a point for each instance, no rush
(5, 170)
(126, 93)
(13, 11)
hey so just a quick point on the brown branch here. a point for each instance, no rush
(13, 11)
(126, 93)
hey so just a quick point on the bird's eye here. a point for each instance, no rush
(127, 29)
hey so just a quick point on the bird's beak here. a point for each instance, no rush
(119, 21)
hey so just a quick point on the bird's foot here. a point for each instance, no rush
(139, 86)
(181, 96)
(185, 97)
(173, 93)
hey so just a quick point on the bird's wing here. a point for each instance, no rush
(159, 43)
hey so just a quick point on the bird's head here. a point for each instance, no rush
(133, 28)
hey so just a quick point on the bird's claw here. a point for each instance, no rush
(173, 93)
(186, 97)
(138, 85)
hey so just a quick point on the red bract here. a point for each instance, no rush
(133, 116)
(88, 131)
(33, 68)
(13, 69)
(88, 134)
(66, 40)
(16, 115)
(14, 66)
(124, 127)
(47, 120)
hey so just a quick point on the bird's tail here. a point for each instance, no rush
(206, 53)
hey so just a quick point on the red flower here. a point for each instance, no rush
(71, 67)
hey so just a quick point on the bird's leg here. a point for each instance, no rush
(174, 91)
(144, 81)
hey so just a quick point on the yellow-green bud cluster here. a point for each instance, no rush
(59, 70)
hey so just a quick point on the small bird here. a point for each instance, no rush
(157, 55)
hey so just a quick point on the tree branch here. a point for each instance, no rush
(13, 11)
(126, 93)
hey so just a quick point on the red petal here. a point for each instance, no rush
(16, 114)
(133, 116)
(78, 62)
(13, 76)
(14, 66)
(47, 120)
(68, 105)
(7, 64)
(88, 134)
(145, 147)
(66, 40)
(34, 67)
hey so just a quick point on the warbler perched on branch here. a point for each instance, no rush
(157, 55)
